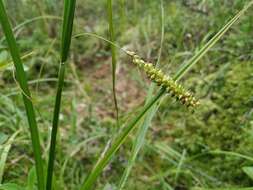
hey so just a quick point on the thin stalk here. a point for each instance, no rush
(22, 81)
(119, 140)
(102, 162)
(5, 151)
(113, 52)
(55, 126)
(88, 34)
(141, 133)
(68, 18)
(222, 152)
(211, 43)
(19, 26)
(122, 15)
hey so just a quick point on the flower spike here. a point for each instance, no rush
(172, 87)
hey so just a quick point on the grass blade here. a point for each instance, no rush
(249, 171)
(122, 15)
(68, 18)
(113, 52)
(211, 43)
(225, 153)
(231, 188)
(19, 26)
(119, 140)
(5, 151)
(141, 133)
(22, 80)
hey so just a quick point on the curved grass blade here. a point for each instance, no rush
(222, 152)
(68, 18)
(10, 63)
(113, 52)
(249, 171)
(19, 26)
(141, 133)
(5, 151)
(22, 80)
(88, 34)
(211, 43)
(119, 140)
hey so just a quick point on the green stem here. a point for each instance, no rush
(22, 80)
(102, 162)
(113, 52)
(55, 126)
(68, 18)
(141, 133)
(118, 142)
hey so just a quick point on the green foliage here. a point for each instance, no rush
(207, 149)
(113, 52)
(248, 171)
(67, 28)
(22, 82)
(222, 124)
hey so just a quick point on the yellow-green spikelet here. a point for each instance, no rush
(171, 86)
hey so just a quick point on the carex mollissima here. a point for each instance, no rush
(172, 87)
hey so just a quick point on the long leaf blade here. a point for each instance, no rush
(141, 133)
(119, 140)
(113, 52)
(22, 80)
(5, 152)
(68, 19)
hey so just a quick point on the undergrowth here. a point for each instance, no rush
(173, 147)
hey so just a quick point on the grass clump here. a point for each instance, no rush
(121, 137)
(181, 150)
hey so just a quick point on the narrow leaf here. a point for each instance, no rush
(140, 137)
(22, 80)
(248, 171)
(68, 19)
(119, 140)
(113, 52)
(5, 152)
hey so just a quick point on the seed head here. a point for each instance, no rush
(171, 86)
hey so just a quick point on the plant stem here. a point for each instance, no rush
(55, 126)
(22, 80)
(113, 52)
(68, 18)
(102, 162)
(118, 142)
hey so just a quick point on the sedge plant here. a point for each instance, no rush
(121, 137)
(68, 18)
(168, 85)
(23, 84)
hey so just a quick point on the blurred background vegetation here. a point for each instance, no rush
(209, 148)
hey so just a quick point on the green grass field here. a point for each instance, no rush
(66, 65)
